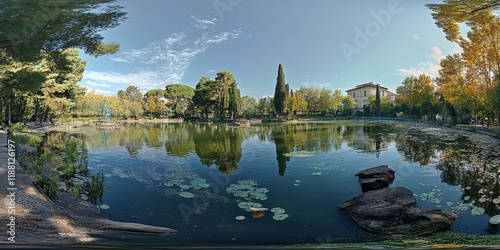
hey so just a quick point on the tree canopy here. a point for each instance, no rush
(451, 13)
(32, 26)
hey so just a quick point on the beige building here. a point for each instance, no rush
(361, 93)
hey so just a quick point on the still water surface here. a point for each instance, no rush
(307, 169)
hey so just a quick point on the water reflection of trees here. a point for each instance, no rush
(416, 146)
(67, 155)
(220, 145)
(180, 140)
(314, 137)
(464, 165)
(462, 162)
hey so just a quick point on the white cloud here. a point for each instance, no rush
(204, 23)
(160, 62)
(111, 82)
(430, 68)
(316, 84)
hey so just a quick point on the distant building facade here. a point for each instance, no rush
(361, 93)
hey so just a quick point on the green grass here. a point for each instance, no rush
(445, 239)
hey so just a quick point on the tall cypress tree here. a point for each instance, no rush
(280, 92)
(377, 101)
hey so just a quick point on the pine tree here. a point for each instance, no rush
(280, 92)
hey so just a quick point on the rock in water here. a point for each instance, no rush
(394, 211)
(376, 178)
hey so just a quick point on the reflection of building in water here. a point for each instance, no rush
(362, 91)
(370, 139)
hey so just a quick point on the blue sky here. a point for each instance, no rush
(334, 44)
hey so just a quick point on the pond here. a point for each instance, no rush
(201, 179)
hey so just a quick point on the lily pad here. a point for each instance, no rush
(184, 187)
(240, 217)
(482, 199)
(477, 211)
(104, 206)
(108, 175)
(244, 205)
(278, 210)
(186, 194)
(168, 184)
(496, 200)
(280, 216)
(466, 198)
(495, 220)
(123, 175)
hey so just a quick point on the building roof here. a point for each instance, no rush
(370, 84)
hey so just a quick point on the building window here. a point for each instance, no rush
(353, 95)
(365, 92)
(383, 93)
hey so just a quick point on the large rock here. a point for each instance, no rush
(394, 211)
(376, 178)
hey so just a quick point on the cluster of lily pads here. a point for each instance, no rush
(321, 166)
(247, 189)
(297, 183)
(185, 184)
(458, 208)
(279, 213)
(432, 196)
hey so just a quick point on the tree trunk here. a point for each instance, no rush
(37, 107)
(9, 104)
(21, 109)
(44, 115)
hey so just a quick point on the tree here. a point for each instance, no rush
(132, 102)
(154, 102)
(451, 13)
(415, 90)
(32, 27)
(19, 81)
(494, 97)
(311, 96)
(299, 103)
(347, 104)
(234, 102)
(248, 106)
(377, 100)
(181, 97)
(280, 92)
(61, 88)
(265, 105)
(204, 95)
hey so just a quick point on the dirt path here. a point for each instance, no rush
(28, 216)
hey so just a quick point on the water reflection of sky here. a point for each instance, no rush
(437, 170)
